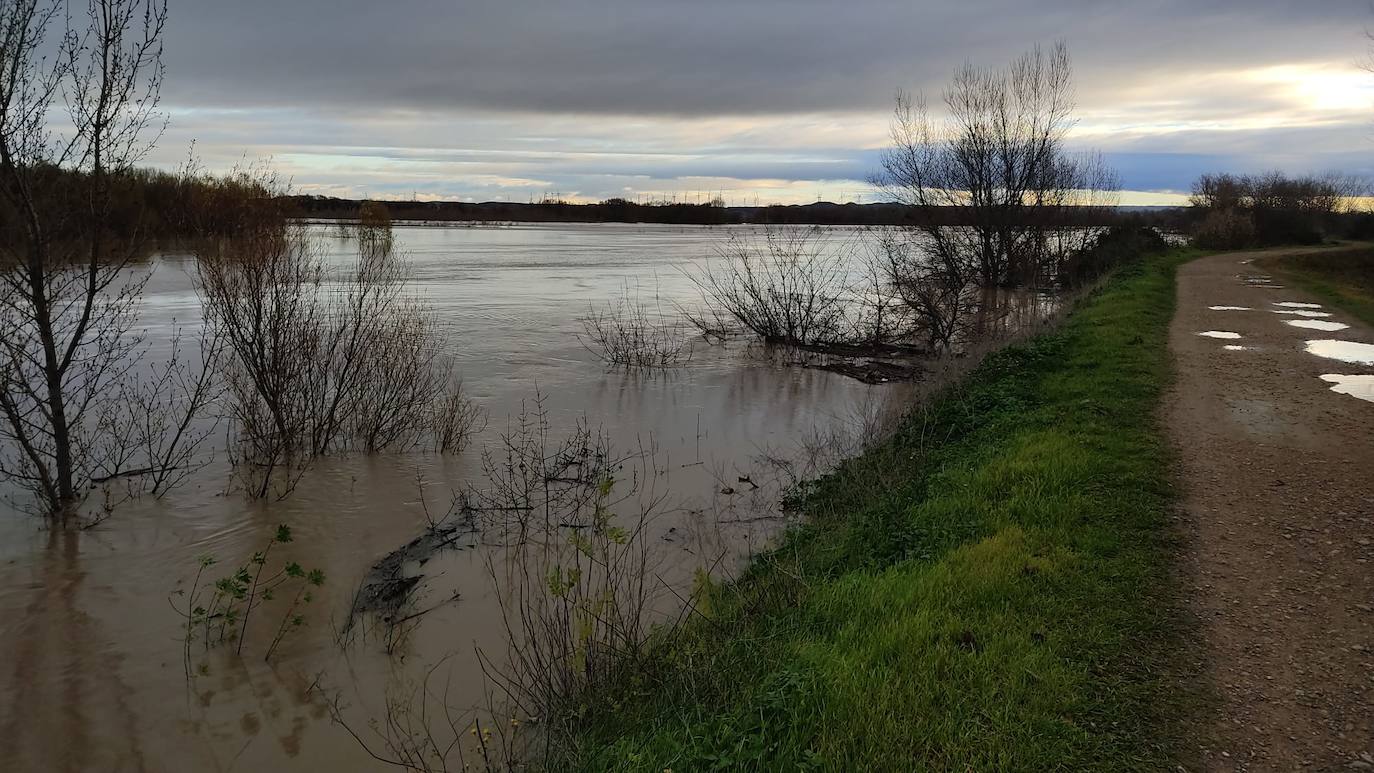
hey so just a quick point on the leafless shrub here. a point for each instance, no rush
(791, 286)
(261, 291)
(322, 361)
(455, 418)
(880, 315)
(940, 296)
(636, 333)
(157, 422)
(420, 729)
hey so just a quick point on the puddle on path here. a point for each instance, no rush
(1316, 324)
(1230, 308)
(1219, 334)
(1296, 305)
(1236, 348)
(1345, 351)
(1355, 386)
(1302, 312)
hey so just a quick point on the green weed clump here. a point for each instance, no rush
(988, 590)
(218, 611)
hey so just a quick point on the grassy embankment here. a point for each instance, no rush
(989, 590)
(1343, 277)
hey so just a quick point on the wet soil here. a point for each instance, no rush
(1277, 483)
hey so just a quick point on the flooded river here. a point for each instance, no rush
(93, 669)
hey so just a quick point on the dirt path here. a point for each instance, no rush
(1278, 494)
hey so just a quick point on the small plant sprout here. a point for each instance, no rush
(221, 610)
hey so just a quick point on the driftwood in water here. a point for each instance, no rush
(390, 582)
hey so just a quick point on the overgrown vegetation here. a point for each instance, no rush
(987, 590)
(1344, 278)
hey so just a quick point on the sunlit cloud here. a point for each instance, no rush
(1320, 87)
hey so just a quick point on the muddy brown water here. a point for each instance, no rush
(91, 652)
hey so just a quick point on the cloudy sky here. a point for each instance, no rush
(755, 100)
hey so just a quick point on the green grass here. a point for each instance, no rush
(1344, 278)
(990, 590)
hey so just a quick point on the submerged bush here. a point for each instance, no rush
(321, 361)
(630, 332)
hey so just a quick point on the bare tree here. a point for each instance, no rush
(997, 163)
(67, 298)
(1235, 211)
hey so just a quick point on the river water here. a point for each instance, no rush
(92, 668)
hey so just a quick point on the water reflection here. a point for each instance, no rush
(1301, 313)
(1361, 387)
(1345, 351)
(1314, 324)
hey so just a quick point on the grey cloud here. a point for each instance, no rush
(469, 98)
(706, 57)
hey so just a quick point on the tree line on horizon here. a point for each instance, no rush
(1268, 208)
(1230, 211)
